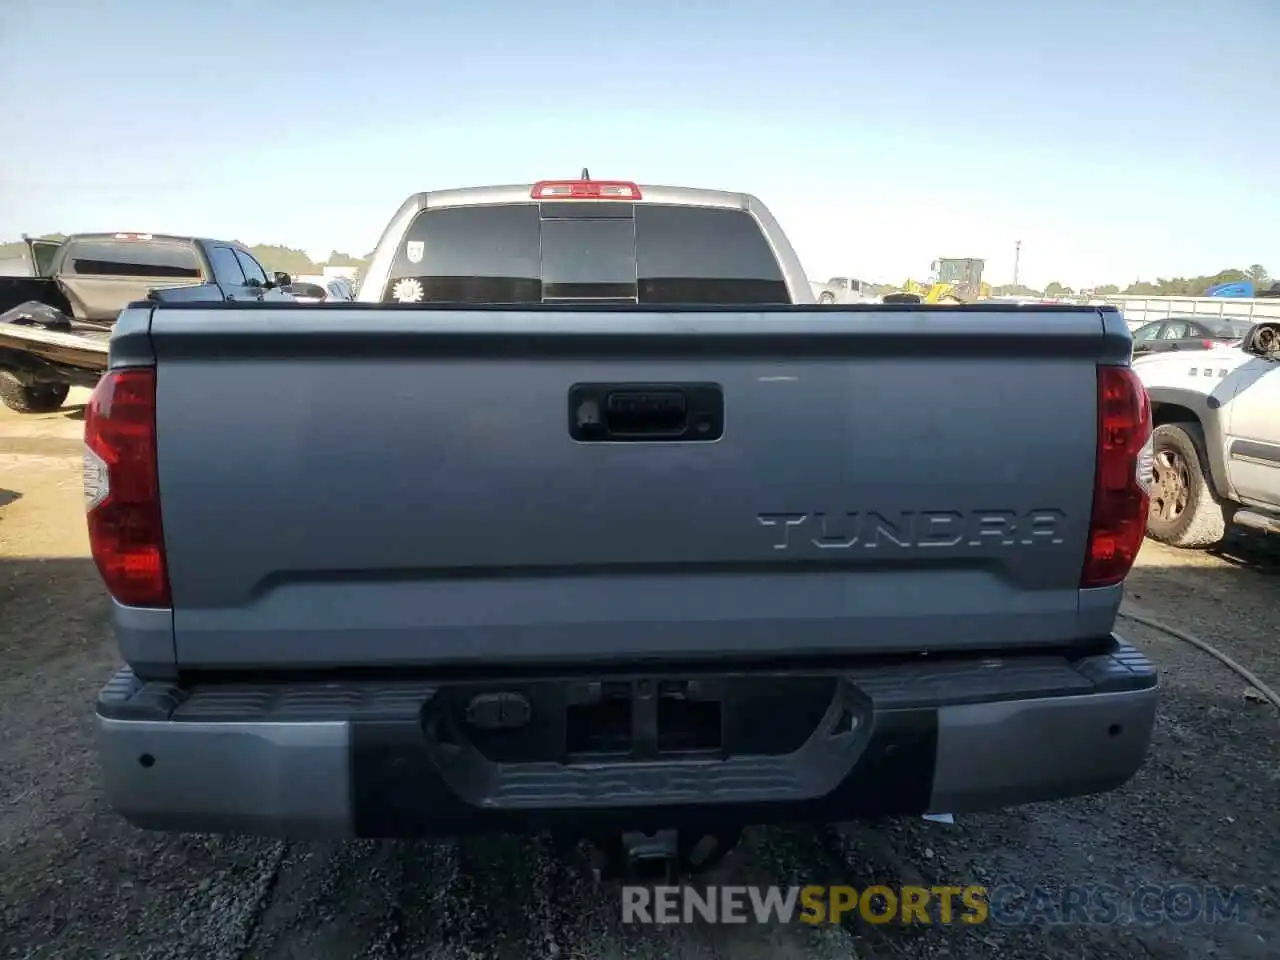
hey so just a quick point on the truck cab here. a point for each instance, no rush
(961, 275)
(517, 245)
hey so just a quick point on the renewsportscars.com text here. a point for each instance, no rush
(1007, 904)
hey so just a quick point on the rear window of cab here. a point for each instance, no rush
(585, 251)
(132, 258)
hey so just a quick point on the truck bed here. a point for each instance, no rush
(84, 347)
(376, 486)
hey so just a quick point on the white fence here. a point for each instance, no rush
(1140, 310)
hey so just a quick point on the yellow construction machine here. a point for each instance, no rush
(951, 280)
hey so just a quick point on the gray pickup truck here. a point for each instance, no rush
(586, 520)
(54, 323)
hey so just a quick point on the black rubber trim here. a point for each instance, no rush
(586, 210)
(985, 306)
(901, 685)
(1252, 450)
(398, 790)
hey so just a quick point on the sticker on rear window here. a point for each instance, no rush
(413, 249)
(407, 290)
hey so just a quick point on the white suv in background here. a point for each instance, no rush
(844, 290)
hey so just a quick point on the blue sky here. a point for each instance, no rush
(1116, 139)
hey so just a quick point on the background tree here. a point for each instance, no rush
(1185, 286)
(287, 259)
(338, 259)
(878, 289)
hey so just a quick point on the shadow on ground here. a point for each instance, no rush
(1251, 549)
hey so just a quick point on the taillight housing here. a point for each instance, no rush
(122, 488)
(1122, 478)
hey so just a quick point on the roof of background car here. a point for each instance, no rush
(154, 237)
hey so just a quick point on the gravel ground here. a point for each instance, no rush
(75, 881)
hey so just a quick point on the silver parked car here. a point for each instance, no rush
(320, 290)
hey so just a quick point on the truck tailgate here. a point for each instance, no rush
(389, 486)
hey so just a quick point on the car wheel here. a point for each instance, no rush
(1185, 511)
(826, 298)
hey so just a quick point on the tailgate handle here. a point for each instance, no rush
(637, 412)
(634, 411)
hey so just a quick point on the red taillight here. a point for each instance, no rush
(122, 489)
(585, 190)
(1208, 344)
(1122, 481)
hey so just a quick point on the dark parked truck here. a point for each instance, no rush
(585, 521)
(55, 323)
